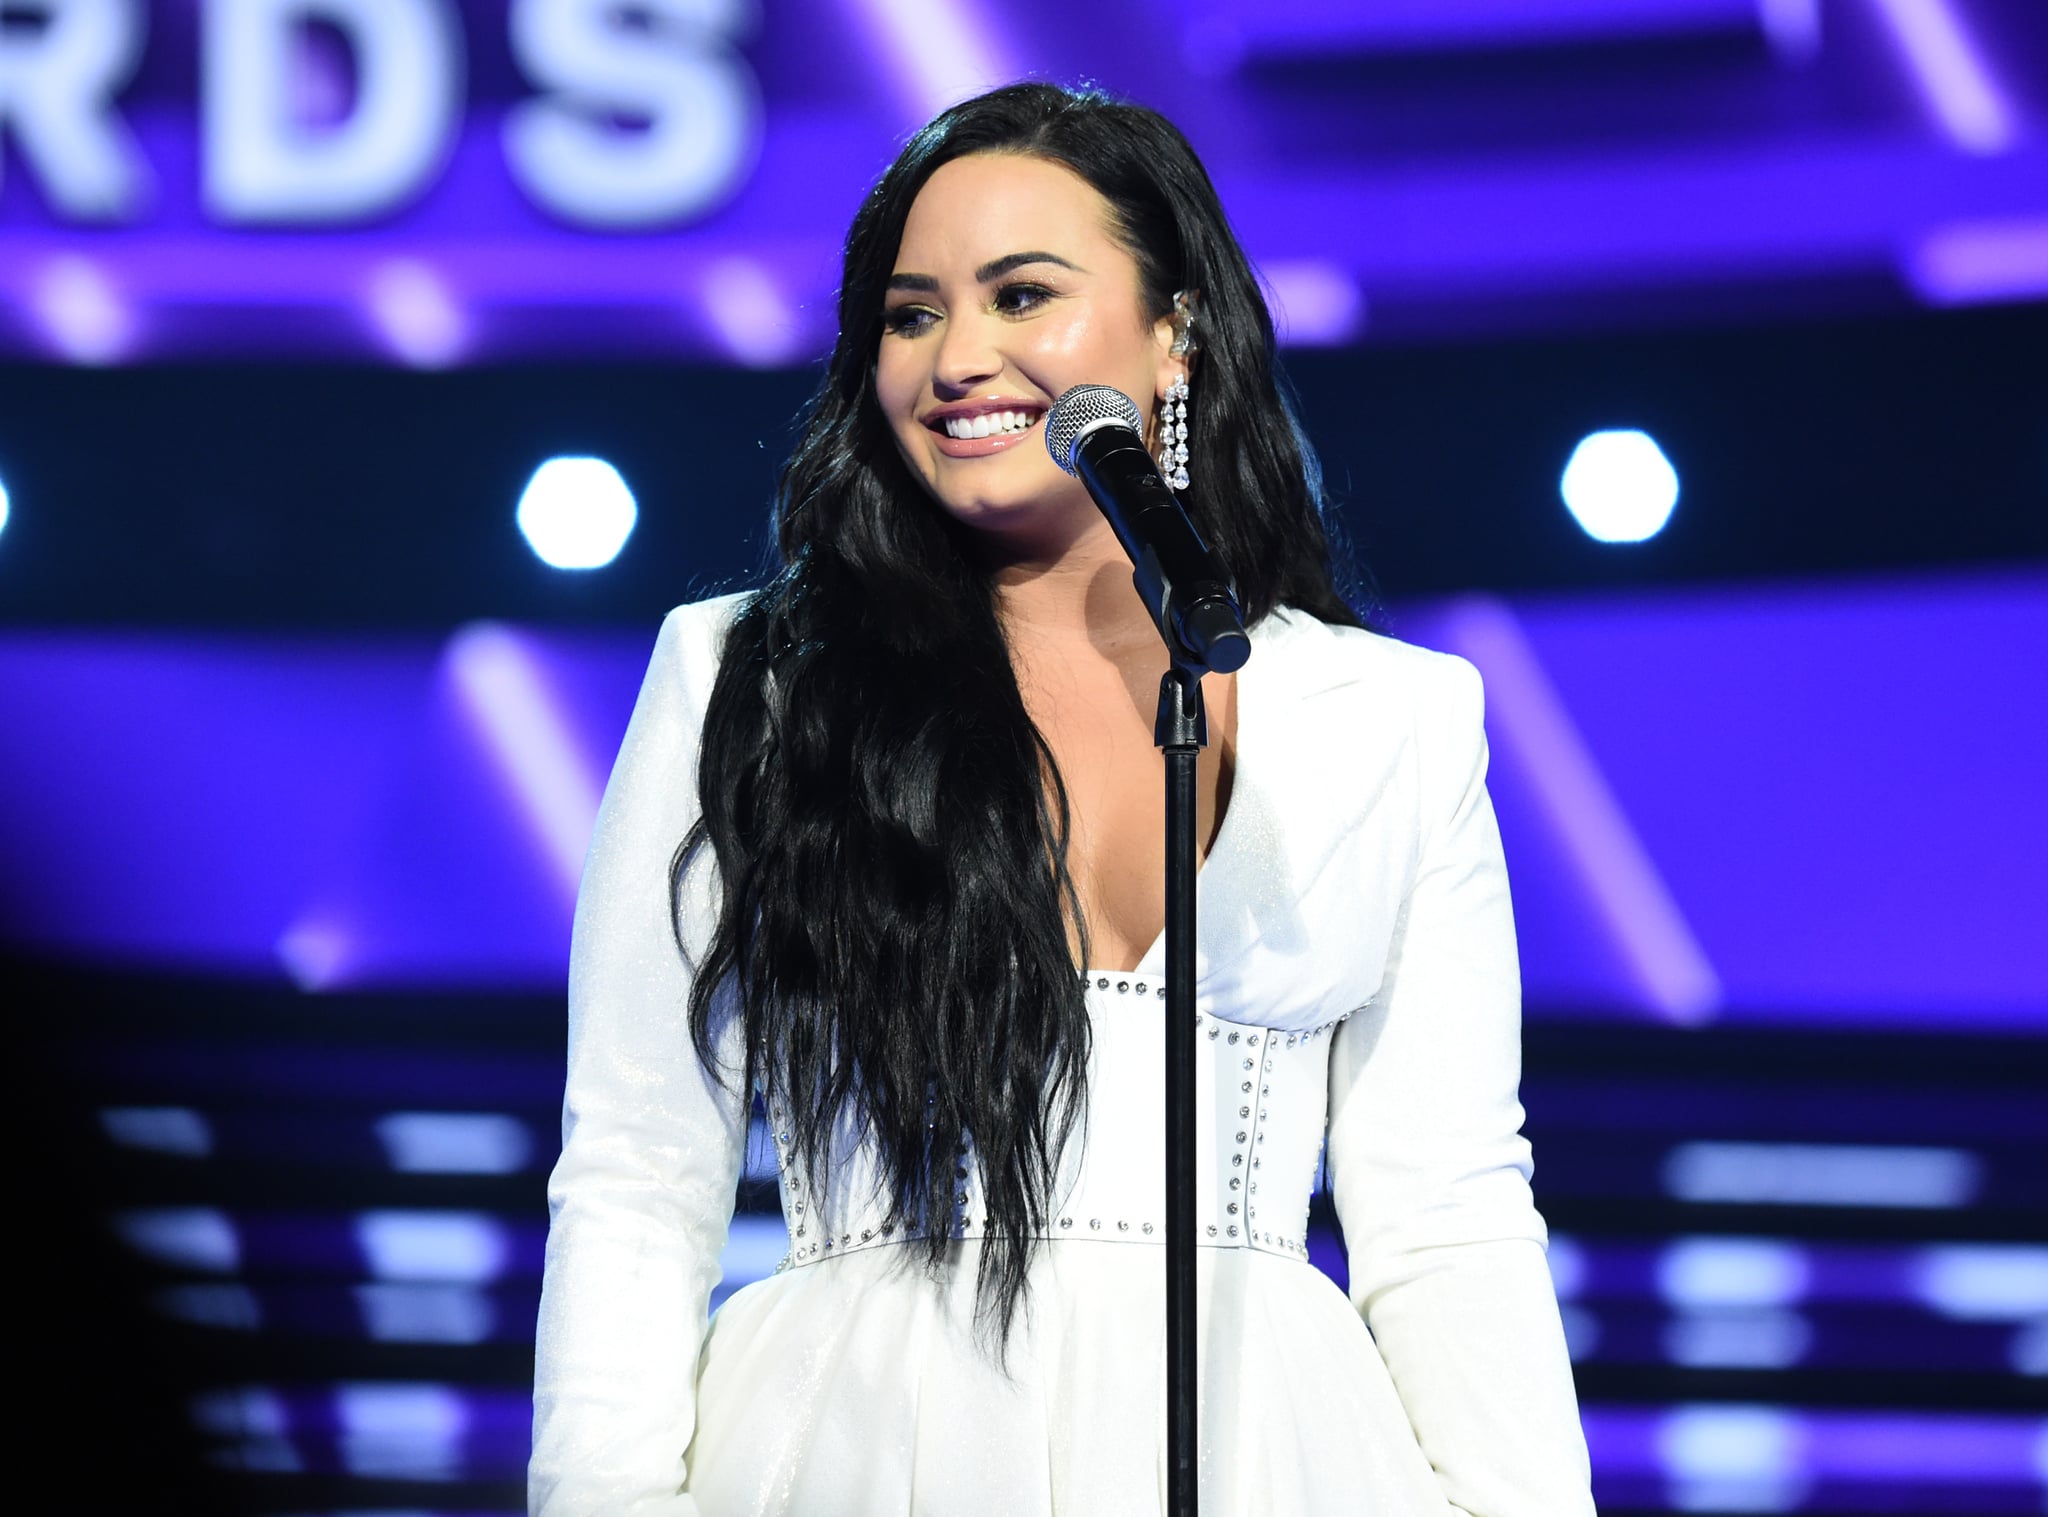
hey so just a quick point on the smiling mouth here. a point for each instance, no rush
(987, 424)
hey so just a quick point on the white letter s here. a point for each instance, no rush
(678, 72)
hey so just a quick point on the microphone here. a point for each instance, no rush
(1094, 433)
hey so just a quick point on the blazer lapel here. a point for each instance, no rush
(1304, 851)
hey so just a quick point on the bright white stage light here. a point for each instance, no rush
(433, 1247)
(1619, 486)
(1704, 1273)
(401, 1432)
(1984, 1282)
(3, 505)
(455, 1143)
(1733, 1458)
(577, 513)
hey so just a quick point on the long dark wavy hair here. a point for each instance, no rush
(889, 828)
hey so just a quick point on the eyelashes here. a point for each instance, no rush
(1019, 299)
(1016, 299)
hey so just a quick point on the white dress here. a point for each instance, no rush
(1357, 979)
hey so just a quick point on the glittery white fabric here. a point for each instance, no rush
(1355, 920)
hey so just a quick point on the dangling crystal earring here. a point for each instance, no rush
(1173, 434)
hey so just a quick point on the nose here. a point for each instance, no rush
(967, 355)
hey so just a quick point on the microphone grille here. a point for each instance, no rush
(1080, 409)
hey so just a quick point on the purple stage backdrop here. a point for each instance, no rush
(1809, 806)
(433, 182)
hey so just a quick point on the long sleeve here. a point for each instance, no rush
(1428, 1167)
(642, 1197)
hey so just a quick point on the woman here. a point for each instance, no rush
(867, 825)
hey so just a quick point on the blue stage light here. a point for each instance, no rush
(1737, 1339)
(242, 1411)
(396, 1431)
(1822, 1174)
(1983, 1282)
(755, 1246)
(1745, 1458)
(161, 1129)
(1568, 1267)
(1619, 486)
(445, 1247)
(230, 1307)
(1701, 1273)
(3, 505)
(455, 1143)
(2028, 1352)
(576, 513)
(197, 1238)
(425, 1313)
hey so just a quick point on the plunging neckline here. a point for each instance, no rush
(1224, 831)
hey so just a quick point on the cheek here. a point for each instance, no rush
(1075, 338)
(1088, 347)
(899, 385)
(896, 378)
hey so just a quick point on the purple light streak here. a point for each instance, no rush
(1848, 1446)
(1953, 80)
(1710, 749)
(497, 678)
(1973, 262)
(936, 52)
(83, 310)
(415, 314)
(754, 321)
(316, 952)
(1753, 737)
(1671, 969)
(1316, 301)
(1326, 26)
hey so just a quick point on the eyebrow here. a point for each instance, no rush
(995, 268)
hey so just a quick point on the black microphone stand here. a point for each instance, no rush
(1095, 434)
(1181, 729)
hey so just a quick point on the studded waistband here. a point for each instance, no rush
(1261, 1103)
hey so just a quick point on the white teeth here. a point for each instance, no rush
(988, 424)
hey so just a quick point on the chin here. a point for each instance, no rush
(989, 486)
(1026, 515)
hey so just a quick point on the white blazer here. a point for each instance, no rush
(1354, 913)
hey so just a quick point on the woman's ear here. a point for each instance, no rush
(1186, 341)
(1177, 336)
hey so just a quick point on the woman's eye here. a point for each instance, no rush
(907, 321)
(1014, 299)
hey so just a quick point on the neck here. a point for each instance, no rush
(1078, 593)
